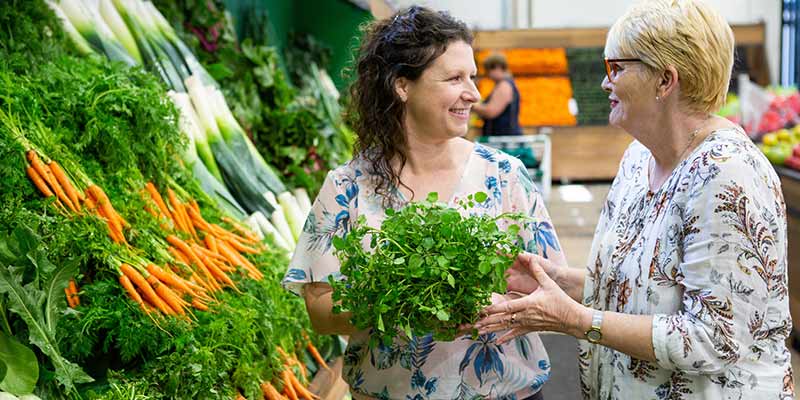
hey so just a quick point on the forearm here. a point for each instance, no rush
(627, 333)
(319, 304)
(571, 281)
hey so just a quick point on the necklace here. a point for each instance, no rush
(692, 136)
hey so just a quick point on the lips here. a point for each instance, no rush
(613, 102)
(460, 112)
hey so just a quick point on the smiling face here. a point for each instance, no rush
(438, 102)
(632, 95)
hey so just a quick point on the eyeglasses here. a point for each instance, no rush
(612, 68)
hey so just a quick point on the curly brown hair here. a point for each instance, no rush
(401, 46)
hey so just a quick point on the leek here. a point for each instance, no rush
(302, 199)
(91, 26)
(121, 31)
(77, 39)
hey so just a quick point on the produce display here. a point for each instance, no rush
(427, 269)
(544, 87)
(126, 273)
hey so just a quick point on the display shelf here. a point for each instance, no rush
(790, 182)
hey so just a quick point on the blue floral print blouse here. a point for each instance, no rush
(424, 368)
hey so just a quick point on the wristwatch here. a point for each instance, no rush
(594, 335)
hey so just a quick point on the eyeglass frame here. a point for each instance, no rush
(608, 62)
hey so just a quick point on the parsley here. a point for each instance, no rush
(427, 269)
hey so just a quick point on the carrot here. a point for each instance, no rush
(288, 388)
(208, 253)
(198, 220)
(177, 215)
(47, 176)
(166, 294)
(62, 178)
(104, 205)
(178, 255)
(299, 388)
(195, 206)
(199, 305)
(315, 353)
(113, 229)
(221, 276)
(270, 393)
(70, 300)
(73, 289)
(89, 203)
(211, 243)
(241, 229)
(182, 246)
(126, 283)
(242, 248)
(237, 259)
(240, 397)
(147, 290)
(171, 279)
(159, 200)
(39, 182)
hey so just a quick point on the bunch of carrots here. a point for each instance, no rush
(294, 385)
(202, 263)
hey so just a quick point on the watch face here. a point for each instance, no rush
(594, 336)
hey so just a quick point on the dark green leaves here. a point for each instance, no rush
(427, 269)
(20, 365)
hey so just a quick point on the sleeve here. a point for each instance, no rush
(732, 240)
(333, 212)
(538, 236)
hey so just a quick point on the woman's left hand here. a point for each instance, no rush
(548, 308)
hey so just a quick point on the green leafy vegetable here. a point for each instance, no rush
(427, 269)
(21, 369)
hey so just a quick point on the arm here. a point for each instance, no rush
(320, 305)
(501, 98)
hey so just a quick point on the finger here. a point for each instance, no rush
(508, 307)
(493, 328)
(538, 273)
(516, 332)
(493, 319)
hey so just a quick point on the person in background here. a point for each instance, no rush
(410, 108)
(500, 111)
(685, 292)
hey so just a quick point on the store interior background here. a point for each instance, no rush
(575, 199)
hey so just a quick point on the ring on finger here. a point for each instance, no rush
(513, 318)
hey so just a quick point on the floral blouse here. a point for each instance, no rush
(424, 368)
(706, 256)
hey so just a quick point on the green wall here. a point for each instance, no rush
(333, 22)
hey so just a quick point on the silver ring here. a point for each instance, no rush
(513, 318)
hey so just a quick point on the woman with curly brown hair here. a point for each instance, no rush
(411, 103)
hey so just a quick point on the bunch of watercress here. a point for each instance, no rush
(427, 269)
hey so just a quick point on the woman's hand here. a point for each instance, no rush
(520, 276)
(546, 308)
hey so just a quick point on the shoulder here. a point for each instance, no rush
(729, 158)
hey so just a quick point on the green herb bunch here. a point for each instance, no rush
(427, 269)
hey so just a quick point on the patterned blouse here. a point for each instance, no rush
(706, 256)
(424, 368)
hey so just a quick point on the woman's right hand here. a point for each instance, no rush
(520, 276)
(319, 303)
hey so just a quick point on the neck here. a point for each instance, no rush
(669, 139)
(426, 155)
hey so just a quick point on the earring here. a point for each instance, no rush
(658, 98)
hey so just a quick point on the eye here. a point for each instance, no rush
(615, 68)
(455, 78)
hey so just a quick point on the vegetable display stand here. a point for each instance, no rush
(328, 384)
(593, 152)
(790, 183)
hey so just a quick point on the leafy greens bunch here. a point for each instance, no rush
(427, 269)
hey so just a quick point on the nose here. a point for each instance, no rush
(606, 84)
(471, 93)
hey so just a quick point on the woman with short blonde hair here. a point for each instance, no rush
(685, 292)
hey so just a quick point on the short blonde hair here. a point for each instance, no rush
(687, 34)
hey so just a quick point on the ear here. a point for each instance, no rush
(667, 82)
(401, 88)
